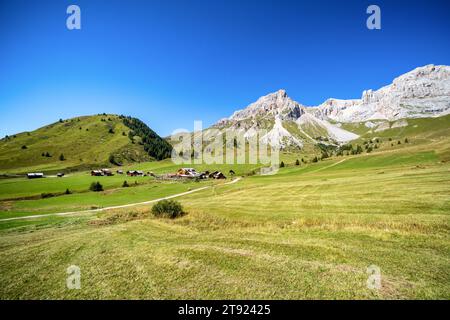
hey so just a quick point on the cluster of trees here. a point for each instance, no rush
(348, 149)
(297, 163)
(154, 145)
(96, 187)
(48, 155)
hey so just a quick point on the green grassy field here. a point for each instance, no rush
(308, 232)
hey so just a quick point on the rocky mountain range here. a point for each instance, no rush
(423, 92)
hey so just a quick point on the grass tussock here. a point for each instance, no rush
(120, 216)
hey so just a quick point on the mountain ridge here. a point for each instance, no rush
(420, 93)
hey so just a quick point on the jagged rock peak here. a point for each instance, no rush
(274, 104)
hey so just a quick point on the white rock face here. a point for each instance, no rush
(423, 92)
(383, 127)
(270, 106)
(399, 124)
(280, 137)
(336, 133)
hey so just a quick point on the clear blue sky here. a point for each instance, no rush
(173, 62)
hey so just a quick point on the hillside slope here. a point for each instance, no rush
(85, 142)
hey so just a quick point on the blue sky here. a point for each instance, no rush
(173, 62)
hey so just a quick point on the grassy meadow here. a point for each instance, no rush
(308, 232)
(85, 142)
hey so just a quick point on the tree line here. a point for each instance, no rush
(154, 145)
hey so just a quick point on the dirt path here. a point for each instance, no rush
(117, 207)
(327, 167)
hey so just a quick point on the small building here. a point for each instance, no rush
(135, 173)
(96, 173)
(187, 173)
(106, 172)
(217, 175)
(119, 171)
(35, 175)
(60, 174)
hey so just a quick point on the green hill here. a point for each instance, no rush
(82, 143)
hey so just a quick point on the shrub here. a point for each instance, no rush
(282, 164)
(61, 157)
(167, 209)
(24, 147)
(297, 163)
(315, 159)
(47, 195)
(68, 191)
(406, 140)
(125, 184)
(96, 187)
(113, 160)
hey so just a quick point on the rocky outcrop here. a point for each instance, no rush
(276, 104)
(423, 92)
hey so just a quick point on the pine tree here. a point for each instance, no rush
(96, 187)
(297, 163)
(61, 157)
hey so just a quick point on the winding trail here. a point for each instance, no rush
(327, 167)
(116, 207)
